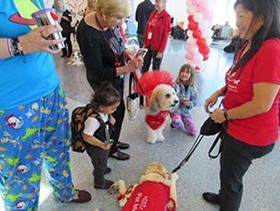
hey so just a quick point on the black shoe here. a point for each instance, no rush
(212, 198)
(107, 185)
(107, 171)
(172, 127)
(120, 156)
(121, 145)
(63, 55)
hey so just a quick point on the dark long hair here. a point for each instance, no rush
(269, 10)
(105, 95)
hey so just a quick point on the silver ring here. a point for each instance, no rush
(43, 36)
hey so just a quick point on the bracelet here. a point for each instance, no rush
(9, 40)
(16, 48)
(226, 116)
(60, 11)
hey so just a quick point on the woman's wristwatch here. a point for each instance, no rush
(226, 116)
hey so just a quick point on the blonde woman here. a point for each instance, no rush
(104, 53)
(90, 7)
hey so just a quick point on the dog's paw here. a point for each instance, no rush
(160, 138)
(150, 141)
(114, 188)
(174, 177)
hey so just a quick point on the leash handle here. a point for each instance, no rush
(191, 151)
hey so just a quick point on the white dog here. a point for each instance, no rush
(155, 192)
(162, 100)
(76, 59)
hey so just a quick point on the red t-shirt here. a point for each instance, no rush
(264, 66)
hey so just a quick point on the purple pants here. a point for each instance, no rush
(178, 119)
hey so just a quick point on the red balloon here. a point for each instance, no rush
(201, 42)
(205, 57)
(193, 25)
(204, 50)
(190, 18)
(197, 33)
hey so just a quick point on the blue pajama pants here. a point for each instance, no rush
(32, 137)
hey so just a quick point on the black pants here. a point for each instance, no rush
(118, 115)
(67, 51)
(99, 159)
(151, 55)
(140, 38)
(236, 158)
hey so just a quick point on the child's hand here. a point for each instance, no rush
(186, 102)
(112, 120)
(106, 146)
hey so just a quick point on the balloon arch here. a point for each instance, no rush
(199, 32)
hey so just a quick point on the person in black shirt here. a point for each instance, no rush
(142, 15)
(65, 23)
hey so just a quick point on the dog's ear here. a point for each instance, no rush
(153, 104)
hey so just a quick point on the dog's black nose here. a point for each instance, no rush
(176, 101)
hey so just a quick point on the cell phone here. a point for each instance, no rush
(142, 52)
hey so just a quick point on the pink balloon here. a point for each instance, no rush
(196, 2)
(189, 56)
(208, 15)
(203, 7)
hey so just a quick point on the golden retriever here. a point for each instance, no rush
(155, 192)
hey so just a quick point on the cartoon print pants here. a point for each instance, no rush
(178, 119)
(33, 136)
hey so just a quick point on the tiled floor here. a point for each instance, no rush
(200, 174)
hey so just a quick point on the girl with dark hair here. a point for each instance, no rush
(97, 131)
(251, 97)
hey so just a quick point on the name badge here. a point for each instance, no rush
(150, 35)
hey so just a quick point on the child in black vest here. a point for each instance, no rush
(97, 131)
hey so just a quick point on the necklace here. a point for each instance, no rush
(117, 62)
(232, 69)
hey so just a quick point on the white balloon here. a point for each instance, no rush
(194, 50)
(198, 58)
(191, 10)
(189, 33)
(189, 3)
(202, 25)
(197, 17)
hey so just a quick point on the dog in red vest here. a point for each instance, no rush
(155, 192)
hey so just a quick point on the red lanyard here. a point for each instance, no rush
(117, 62)
(153, 22)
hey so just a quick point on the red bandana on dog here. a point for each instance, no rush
(156, 121)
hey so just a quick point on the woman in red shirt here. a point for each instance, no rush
(251, 97)
(156, 35)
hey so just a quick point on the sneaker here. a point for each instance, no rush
(120, 155)
(83, 196)
(107, 185)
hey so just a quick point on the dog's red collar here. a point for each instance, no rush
(121, 196)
